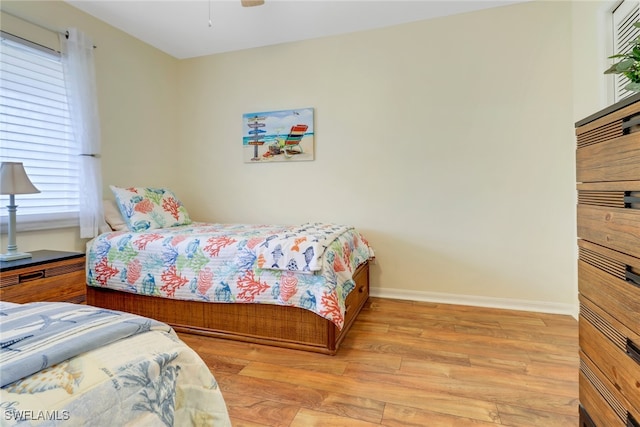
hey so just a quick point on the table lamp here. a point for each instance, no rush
(14, 180)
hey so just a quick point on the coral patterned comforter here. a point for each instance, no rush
(68, 364)
(309, 266)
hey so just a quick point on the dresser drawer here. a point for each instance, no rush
(594, 404)
(613, 348)
(618, 194)
(601, 400)
(70, 287)
(63, 280)
(613, 160)
(601, 405)
(617, 297)
(616, 228)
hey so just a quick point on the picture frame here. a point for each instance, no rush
(278, 136)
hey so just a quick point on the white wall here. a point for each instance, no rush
(449, 143)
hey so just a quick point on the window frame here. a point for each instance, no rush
(625, 13)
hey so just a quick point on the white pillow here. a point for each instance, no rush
(112, 215)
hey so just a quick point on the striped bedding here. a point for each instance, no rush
(68, 364)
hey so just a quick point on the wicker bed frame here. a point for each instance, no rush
(282, 326)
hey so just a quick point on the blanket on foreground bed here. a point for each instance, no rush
(72, 364)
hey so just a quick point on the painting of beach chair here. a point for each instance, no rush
(292, 141)
(278, 136)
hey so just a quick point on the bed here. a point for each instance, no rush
(298, 286)
(64, 363)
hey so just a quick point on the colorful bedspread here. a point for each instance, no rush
(309, 266)
(100, 368)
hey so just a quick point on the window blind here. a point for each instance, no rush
(624, 16)
(35, 129)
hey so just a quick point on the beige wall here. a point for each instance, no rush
(448, 143)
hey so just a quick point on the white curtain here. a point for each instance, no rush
(79, 75)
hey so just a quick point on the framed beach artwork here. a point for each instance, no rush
(278, 136)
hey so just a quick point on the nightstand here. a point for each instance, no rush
(46, 276)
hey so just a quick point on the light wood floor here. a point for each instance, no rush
(409, 364)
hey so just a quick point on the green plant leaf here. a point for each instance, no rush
(612, 70)
(618, 55)
(625, 65)
(635, 87)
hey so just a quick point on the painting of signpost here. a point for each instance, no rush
(278, 136)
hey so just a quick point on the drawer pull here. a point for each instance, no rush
(633, 351)
(628, 200)
(361, 289)
(31, 276)
(632, 121)
(632, 278)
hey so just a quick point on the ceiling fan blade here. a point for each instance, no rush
(249, 3)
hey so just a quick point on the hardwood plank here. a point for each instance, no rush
(553, 369)
(510, 348)
(244, 423)
(456, 353)
(406, 346)
(354, 407)
(287, 394)
(403, 416)
(500, 364)
(550, 335)
(519, 416)
(268, 412)
(309, 418)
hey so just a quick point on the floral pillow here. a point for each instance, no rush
(149, 208)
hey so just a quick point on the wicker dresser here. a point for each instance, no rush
(608, 184)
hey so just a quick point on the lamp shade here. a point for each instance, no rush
(14, 180)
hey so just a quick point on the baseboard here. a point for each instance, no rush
(478, 301)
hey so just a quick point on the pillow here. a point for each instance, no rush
(112, 216)
(146, 208)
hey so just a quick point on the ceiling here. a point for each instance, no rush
(181, 27)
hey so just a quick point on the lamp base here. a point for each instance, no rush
(12, 256)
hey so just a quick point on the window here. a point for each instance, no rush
(624, 16)
(35, 129)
